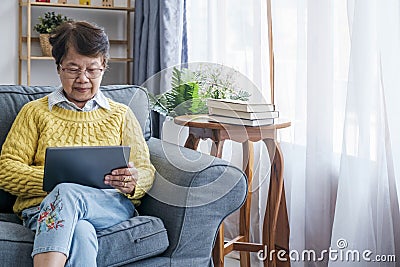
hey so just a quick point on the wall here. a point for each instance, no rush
(8, 42)
(43, 71)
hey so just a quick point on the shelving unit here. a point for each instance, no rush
(26, 40)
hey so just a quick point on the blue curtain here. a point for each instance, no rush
(159, 42)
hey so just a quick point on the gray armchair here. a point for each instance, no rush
(179, 217)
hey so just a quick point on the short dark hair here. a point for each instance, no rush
(86, 38)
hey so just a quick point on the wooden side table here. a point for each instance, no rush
(276, 225)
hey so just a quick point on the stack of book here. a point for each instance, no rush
(241, 112)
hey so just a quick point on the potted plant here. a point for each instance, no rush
(191, 88)
(45, 27)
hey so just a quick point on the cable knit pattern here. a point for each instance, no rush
(36, 128)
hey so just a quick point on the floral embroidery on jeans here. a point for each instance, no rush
(50, 218)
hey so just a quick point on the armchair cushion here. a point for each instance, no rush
(16, 244)
(146, 234)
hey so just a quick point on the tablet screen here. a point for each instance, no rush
(85, 165)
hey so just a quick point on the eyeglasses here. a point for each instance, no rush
(73, 73)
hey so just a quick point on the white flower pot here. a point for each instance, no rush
(174, 133)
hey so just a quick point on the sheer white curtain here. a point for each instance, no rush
(311, 58)
(336, 67)
(367, 210)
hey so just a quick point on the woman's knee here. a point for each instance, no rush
(63, 194)
(84, 245)
(85, 235)
(64, 190)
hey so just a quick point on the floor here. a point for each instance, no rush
(231, 262)
(232, 259)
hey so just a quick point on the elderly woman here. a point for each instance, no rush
(78, 114)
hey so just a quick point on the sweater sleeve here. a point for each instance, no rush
(18, 174)
(132, 136)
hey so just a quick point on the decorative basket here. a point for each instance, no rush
(45, 44)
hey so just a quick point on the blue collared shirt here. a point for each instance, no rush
(58, 98)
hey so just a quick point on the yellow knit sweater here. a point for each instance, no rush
(36, 128)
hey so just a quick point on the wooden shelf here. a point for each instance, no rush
(26, 40)
(112, 42)
(37, 58)
(44, 4)
(114, 59)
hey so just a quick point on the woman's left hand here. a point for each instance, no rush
(123, 179)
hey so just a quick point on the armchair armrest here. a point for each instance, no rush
(192, 194)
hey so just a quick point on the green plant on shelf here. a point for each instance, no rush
(49, 22)
(191, 88)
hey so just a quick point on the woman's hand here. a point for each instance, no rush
(123, 179)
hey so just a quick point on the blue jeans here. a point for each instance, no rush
(70, 215)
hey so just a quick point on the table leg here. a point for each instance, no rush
(192, 141)
(244, 217)
(218, 251)
(276, 223)
(216, 148)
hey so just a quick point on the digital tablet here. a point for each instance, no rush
(85, 165)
